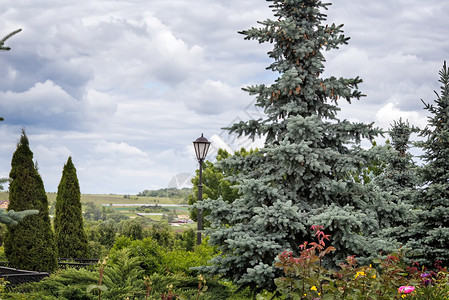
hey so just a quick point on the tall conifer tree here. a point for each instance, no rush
(431, 233)
(398, 182)
(302, 175)
(11, 218)
(29, 245)
(69, 230)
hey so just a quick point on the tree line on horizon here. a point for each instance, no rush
(166, 192)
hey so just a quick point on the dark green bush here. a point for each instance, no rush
(180, 261)
(147, 250)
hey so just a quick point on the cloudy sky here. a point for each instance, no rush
(124, 87)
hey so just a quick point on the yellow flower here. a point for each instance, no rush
(313, 288)
(374, 276)
(361, 273)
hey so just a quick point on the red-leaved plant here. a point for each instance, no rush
(306, 278)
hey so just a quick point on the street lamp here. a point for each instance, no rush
(201, 146)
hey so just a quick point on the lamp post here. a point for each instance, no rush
(201, 146)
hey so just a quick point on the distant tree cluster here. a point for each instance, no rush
(166, 192)
(152, 208)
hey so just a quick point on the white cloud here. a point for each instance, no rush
(50, 153)
(389, 113)
(45, 103)
(121, 149)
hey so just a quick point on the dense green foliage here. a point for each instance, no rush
(93, 212)
(157, 259)
(29, 245)
(431, 232)
(374, 164)
(300, 177)
(399, 183)
(71, 239)
(132, 229)
(102, 234)
(126, 272)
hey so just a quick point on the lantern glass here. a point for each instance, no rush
(201, 146)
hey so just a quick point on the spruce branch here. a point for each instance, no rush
(3, 40)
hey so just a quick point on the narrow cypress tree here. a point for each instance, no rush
(29, 245)
(69, 230)
(431, 233)
(302, 175)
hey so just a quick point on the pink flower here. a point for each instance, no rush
(406, 289)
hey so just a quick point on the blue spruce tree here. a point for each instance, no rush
(398, 183)
(302, 175)
(430, 235)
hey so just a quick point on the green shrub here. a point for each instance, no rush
(63, 282)
(122, 276)
(147, 250)
(181, 261)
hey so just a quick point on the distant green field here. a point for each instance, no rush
(113, 199)
(127, 210)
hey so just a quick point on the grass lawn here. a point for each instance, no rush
(156, 218)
